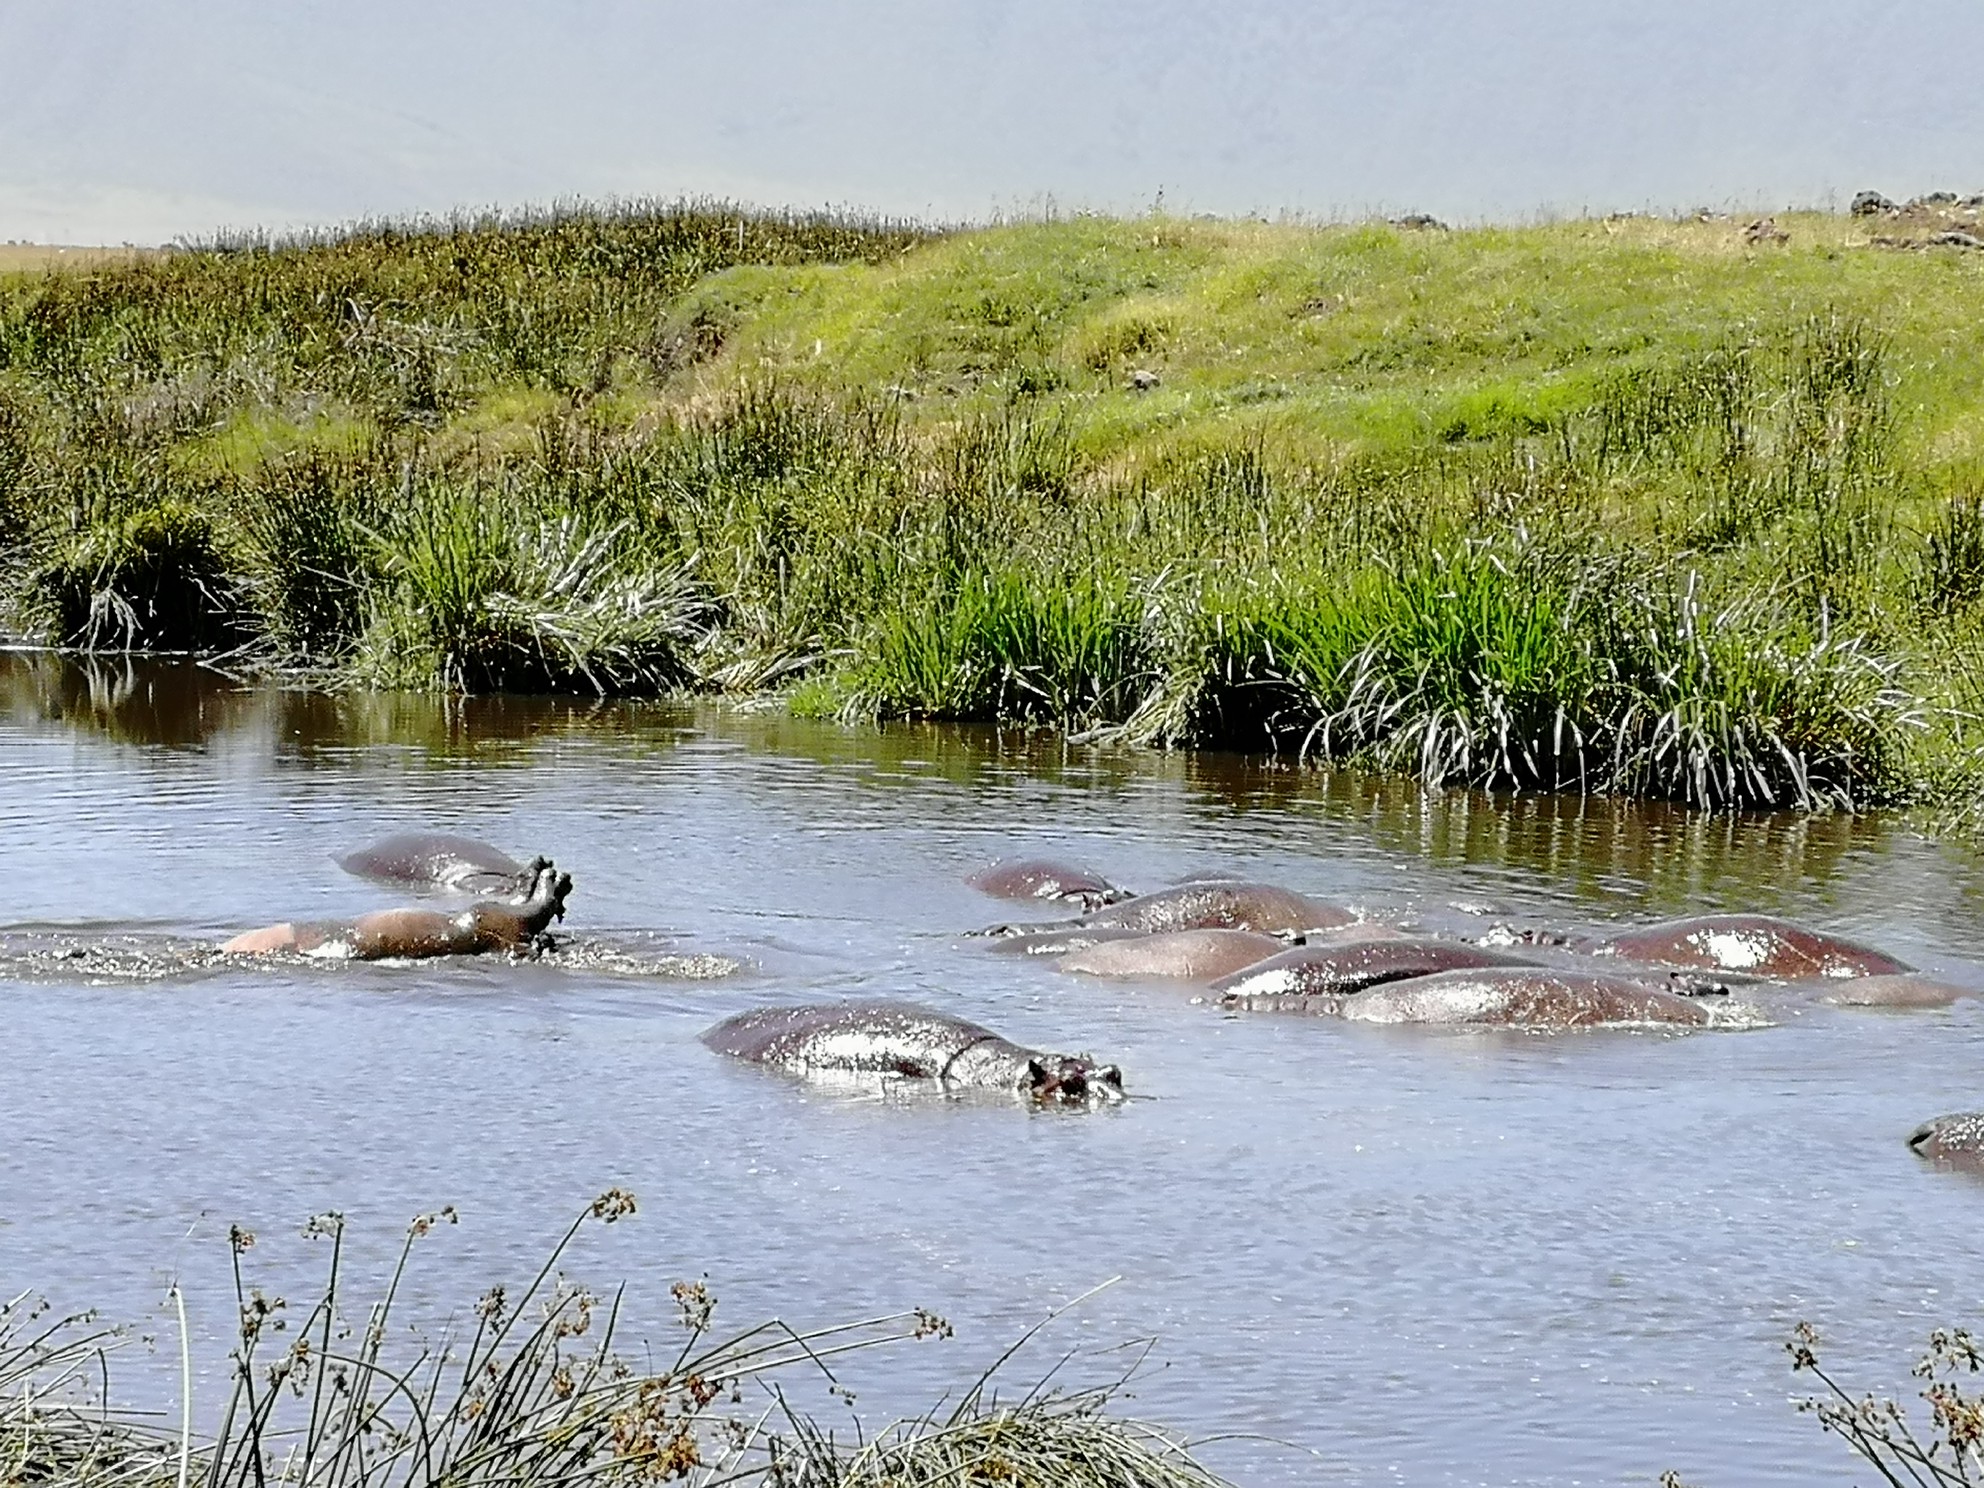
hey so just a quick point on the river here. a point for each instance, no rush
(1364, 1255)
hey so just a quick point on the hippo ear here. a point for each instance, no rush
(1037, 1077)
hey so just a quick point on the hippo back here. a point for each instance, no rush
(1958, 1137)
(1187, 955)
(1761, 944)
(1515, 997)
(437, 859)
(1285, 982)
(859, 1037)
(1045, 878)
(1266, 908)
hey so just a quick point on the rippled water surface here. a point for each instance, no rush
(1405, 1256)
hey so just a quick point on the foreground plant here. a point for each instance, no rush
(535, 1393)
(1045, 1439)
(54, 1424)
(1879, 1431)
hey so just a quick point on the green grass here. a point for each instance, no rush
(1610, 506)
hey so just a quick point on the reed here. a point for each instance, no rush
(533, 1394)
(1949, 1453)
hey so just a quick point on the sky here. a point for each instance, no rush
(149, 121)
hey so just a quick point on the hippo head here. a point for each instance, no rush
(548, 891)
(1071, 1080)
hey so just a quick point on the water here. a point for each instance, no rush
(1403, 1255)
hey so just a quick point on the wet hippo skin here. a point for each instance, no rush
(1956, 1138)
(441, 860)
(1761, 944)
(1046, 879)
(1184, 955)
(1266, 908)
(1515, 997)
(1288, 981)
(903, 1041)
(488, 925)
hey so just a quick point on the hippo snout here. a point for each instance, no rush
(1074, 1082)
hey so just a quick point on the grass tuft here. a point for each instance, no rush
(528, 1390)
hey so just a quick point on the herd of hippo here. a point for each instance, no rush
(1256, 948)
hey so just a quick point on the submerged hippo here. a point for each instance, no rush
(1320, 974)
(443, 861)
(1516, 997)
(1958, 1137)
(1188, 955)
(1761, 944)
(1056, 941)
(1900, 991)
(1043, 878)
(901, 1041)
(1197, 906)
(488, 925)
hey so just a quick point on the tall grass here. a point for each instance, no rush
(593, 451)
(530, 1391)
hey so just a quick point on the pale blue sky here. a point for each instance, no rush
(142, 120)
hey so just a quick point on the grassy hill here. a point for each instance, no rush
(1665, 507)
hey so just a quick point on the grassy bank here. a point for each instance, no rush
(1634, 505)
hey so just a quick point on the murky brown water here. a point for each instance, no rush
(1416, 1257)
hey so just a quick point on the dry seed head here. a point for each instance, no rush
(422, 1223)
(696, 1303)
(930, 1325)
(614, 1204)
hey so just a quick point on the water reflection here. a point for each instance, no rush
(1611, 857)
(163, 703)
(183, 704)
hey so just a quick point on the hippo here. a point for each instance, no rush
(1957, 1138)
(1290, 981)
(1213, 905)
(1760, 944)
(1518, 997)
(1898, 991)
(1188, 955)
(441, 860)
(1044, 878)
(1057, 942)
(898, 1040)
(511, 925)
